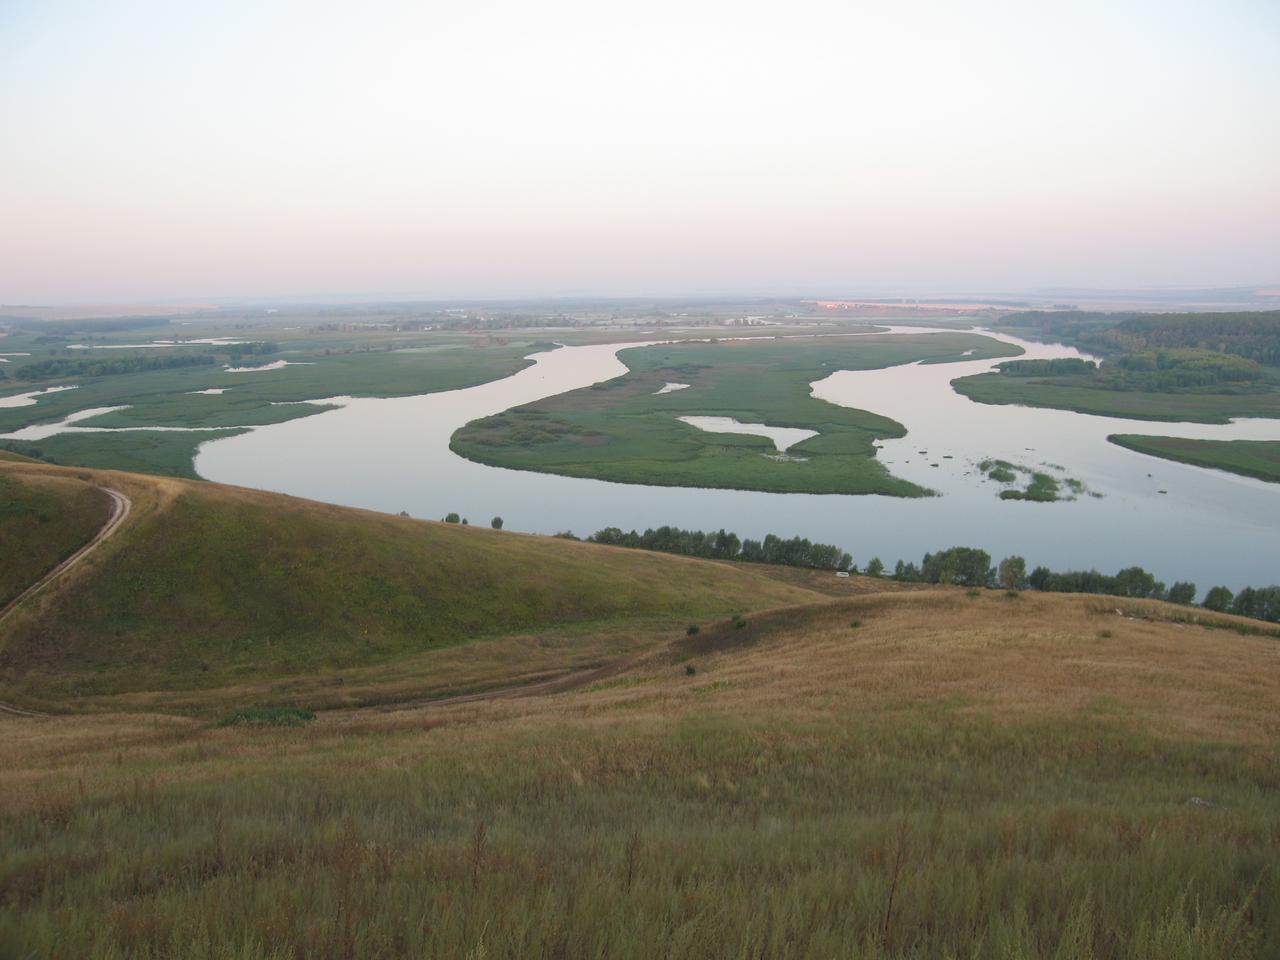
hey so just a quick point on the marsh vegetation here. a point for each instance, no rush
(629, 430)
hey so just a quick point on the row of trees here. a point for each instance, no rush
(1254, 335)
(257, 348)
(961, 566)
(1057, 367)
(970, 567)
(1160, 370)
(106, 366)
(721, 545)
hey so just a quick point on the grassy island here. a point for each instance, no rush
(627, 429)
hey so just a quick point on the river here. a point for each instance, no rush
(1179, 521)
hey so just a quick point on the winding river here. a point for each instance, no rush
(1181, 522)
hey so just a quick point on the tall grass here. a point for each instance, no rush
(709, 835)
(956, 778)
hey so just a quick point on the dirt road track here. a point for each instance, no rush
(120, 507)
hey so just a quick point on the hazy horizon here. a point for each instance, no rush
(570, 149)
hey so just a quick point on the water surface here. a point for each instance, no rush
(1209, 526)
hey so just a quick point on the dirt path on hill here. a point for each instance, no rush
(120, 507)
(541, 688)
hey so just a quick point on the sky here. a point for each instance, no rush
(206, 151)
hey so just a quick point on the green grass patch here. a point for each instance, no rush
(1250, 458)
(42, 522)
(138, 451)
(1069, 393)
(228, 586)
(1040, 488)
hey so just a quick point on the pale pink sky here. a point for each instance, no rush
(160, 150)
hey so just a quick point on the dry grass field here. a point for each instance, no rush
(911, 774)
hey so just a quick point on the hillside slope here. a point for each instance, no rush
(209, 585)
(926, 774)
(43, 519)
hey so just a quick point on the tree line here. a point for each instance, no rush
(1254, 335)
(960, 566)
(105, 366)
(721, 545)
(971, 567)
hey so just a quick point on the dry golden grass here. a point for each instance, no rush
(1042, 656)
(1031, 659)
(955, 776)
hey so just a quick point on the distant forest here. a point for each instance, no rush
(1162, 370)
(1253, 335)
(105, 366)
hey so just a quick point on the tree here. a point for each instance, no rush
(1013, 573)
(1218, 599)
(875, 567)
(1136, 582)
(1182, 592)
(451, 518)
(496, 523)
(1261, 603)
(965, 566)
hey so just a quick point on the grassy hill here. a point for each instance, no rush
(824, 768)
(209, 586)
(1031, 777)
(43, 519)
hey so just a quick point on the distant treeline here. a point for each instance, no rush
(1158, 370)
(719, 545)
(105, 366)
(256, 349)
(1254, 335)
(961, 566)
(1059, 367)
(968, 566)
(103, 325)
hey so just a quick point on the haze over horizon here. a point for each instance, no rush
(161, 151)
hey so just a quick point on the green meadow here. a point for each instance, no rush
(1068, 393)
(43, 519)
(1250, 458)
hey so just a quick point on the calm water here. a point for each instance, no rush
(1210, 527)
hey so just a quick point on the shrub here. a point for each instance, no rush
(692, 631)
